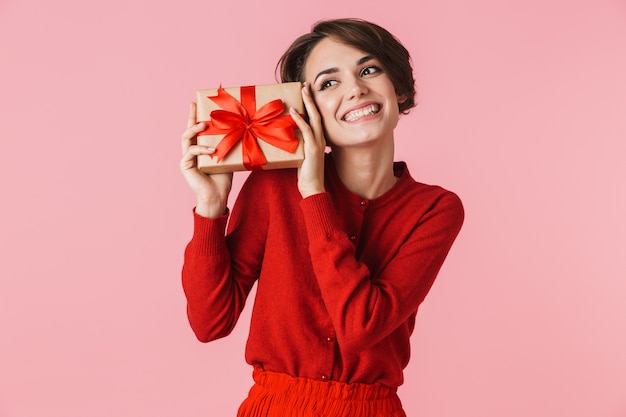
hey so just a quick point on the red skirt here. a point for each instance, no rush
(280, 395)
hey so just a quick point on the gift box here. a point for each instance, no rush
(250, 127)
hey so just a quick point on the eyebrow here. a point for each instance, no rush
(335, 69)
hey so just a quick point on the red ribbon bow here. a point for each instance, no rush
(243, 121)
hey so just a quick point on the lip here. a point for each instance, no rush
(362, 106)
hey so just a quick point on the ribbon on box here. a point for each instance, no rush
(244, 122)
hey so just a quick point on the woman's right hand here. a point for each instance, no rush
(211, 190)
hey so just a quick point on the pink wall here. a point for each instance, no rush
(522, 112)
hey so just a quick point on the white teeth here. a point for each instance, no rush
(365, 111)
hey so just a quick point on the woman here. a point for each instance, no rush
(343, 249)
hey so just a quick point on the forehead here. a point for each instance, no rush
(329, 53)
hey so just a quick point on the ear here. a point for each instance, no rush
(401, 99)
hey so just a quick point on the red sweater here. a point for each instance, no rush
(340, 278)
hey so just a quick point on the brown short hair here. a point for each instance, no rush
(367, 37)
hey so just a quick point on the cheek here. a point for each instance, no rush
(325, 107)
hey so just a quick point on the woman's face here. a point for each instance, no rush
(355, 97)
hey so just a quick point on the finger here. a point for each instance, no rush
(196, 150)
(314, 144)
(315, 119)
(188, 137)
(300, 122)
(191, 119)
(188, 161)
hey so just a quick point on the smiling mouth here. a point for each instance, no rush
(362, 112)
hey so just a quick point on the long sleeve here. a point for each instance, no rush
(219, 270)
(366, 306)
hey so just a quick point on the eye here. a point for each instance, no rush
(328, 83)
(369, 70)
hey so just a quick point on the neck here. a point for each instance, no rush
(365, 171)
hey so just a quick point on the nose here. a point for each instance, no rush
(357, 88)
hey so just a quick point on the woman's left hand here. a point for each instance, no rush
(311, 173)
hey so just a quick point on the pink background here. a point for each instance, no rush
(522, 113)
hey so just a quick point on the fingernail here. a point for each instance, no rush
(293, 110)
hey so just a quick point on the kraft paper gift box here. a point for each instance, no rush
(250, 127)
